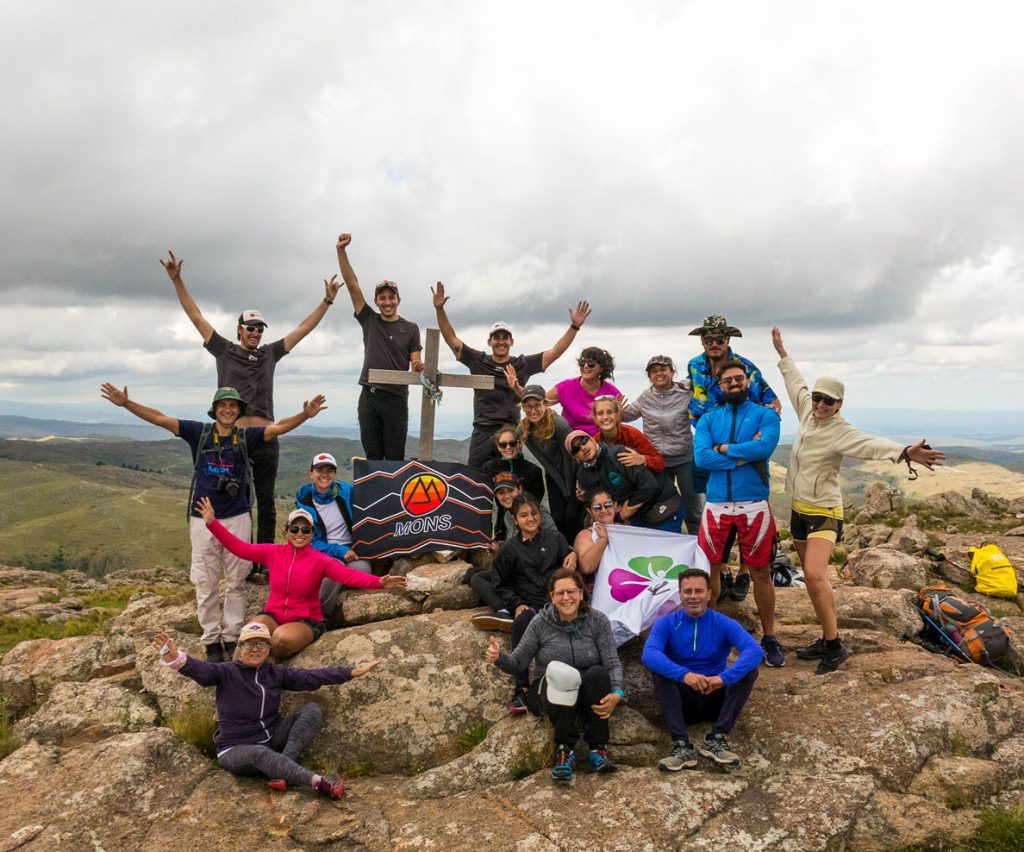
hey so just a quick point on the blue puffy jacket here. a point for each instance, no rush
(736, 426)
(307, 498)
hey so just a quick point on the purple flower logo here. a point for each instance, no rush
(625, 585)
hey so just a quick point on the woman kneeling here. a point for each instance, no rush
(577, 676)
(252, 738)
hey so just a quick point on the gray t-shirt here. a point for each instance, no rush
(249, 371)
(500, 405)
(386, 346)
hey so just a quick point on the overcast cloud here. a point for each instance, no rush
(849, 171)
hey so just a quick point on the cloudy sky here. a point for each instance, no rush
(849, 171)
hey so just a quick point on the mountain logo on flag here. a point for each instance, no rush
(423, 493)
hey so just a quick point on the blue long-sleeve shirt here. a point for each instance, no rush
(679, 644)
(736, 426)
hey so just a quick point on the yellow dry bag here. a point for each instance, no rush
(993, 573)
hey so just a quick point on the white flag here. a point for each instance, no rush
(637, 580)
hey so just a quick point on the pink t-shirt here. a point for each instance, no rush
(577, 403)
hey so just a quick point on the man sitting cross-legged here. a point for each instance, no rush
(687, 653)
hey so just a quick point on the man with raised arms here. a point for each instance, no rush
(492, 408)
(390, 342)
(248, 365)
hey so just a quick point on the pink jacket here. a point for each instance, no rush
(295, 575)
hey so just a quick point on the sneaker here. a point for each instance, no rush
(332, 786)
(682, 756)
(517, 706)
(773, 652)
(716, 748)
(500, 619)
(814, 651)
(832, 660)
(565, 763)
(740, 587)
(278, 784)
(214, 653)
(725, 578)
(600, 762)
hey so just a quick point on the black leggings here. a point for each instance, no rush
(276, 759)
(595, 685)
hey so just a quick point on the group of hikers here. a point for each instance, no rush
(699, 464)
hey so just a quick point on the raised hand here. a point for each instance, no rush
(492, 651)
(777, 342)
(438, 297)
(513, 380)
(118, 396)
(163, 641)
(361, 670)
(312, 407)
(343, 242)
(579, 316)
(205, 508)
(172, 265)
(331, 288)
(923, 455)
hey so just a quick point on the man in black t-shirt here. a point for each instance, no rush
(249, 366)
(389, 343)
(493, 408)
(220, 474)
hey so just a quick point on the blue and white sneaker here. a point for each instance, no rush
(565, 763)
(600, 762)
(773, 652)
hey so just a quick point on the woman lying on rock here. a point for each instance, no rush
(812, 482)
(292, 612)
(577, 675)
(252, 738)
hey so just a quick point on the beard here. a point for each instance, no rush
(736, 397)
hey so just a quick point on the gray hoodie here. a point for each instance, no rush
(666, 421)
(581, 644)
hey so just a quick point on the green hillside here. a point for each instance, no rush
(100, 505)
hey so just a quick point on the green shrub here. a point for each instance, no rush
(9, 741)
(474, 736)
(195, 724)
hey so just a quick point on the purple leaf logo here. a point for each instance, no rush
(625, 585)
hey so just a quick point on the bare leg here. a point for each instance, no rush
(764, 597)
(289, 639)
(716, 585)
(814, 556)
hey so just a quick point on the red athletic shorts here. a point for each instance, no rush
(752, 523)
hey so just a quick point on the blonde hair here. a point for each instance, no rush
(616, 404)
(542, 430)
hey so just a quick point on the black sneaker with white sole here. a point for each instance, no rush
(814, 651)
(740, 587)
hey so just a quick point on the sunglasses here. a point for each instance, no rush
(577, 445)
(508, 445)
(299, 529)
(256, 645)
(587, 362)
(607, 504)
(820, 397)
(714, 339)
(732, 380)
(253, 329)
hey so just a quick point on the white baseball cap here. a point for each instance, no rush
(322, 459)
(562, 683)
(251, 318)
(500, 326)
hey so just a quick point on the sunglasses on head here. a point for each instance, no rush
(607, 504)
(820, 397)
(299, 529)
(714, 339)
(587, 362)
(253, 329)
(507, 445)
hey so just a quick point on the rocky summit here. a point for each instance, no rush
(901, 748)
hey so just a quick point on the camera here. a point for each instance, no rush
(230, 485)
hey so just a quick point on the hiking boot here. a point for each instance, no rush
(725, 578)
(682, 756)
(500, 620)
(229, 650)
(740, 587)
(600, 762)
(278, 784)
(332, 786)
(517, 706)
(214, 653)
(773, 652)
(814, 651)
(832, 659)
(257, 575)
(716, 748)
(565, 763)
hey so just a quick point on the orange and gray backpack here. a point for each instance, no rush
(962, 628)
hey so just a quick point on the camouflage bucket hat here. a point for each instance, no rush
(716, 324)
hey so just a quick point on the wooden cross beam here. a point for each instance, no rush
(428, 404)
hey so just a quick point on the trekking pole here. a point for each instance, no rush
(939, 559)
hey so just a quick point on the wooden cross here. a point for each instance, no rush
(427, 406)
